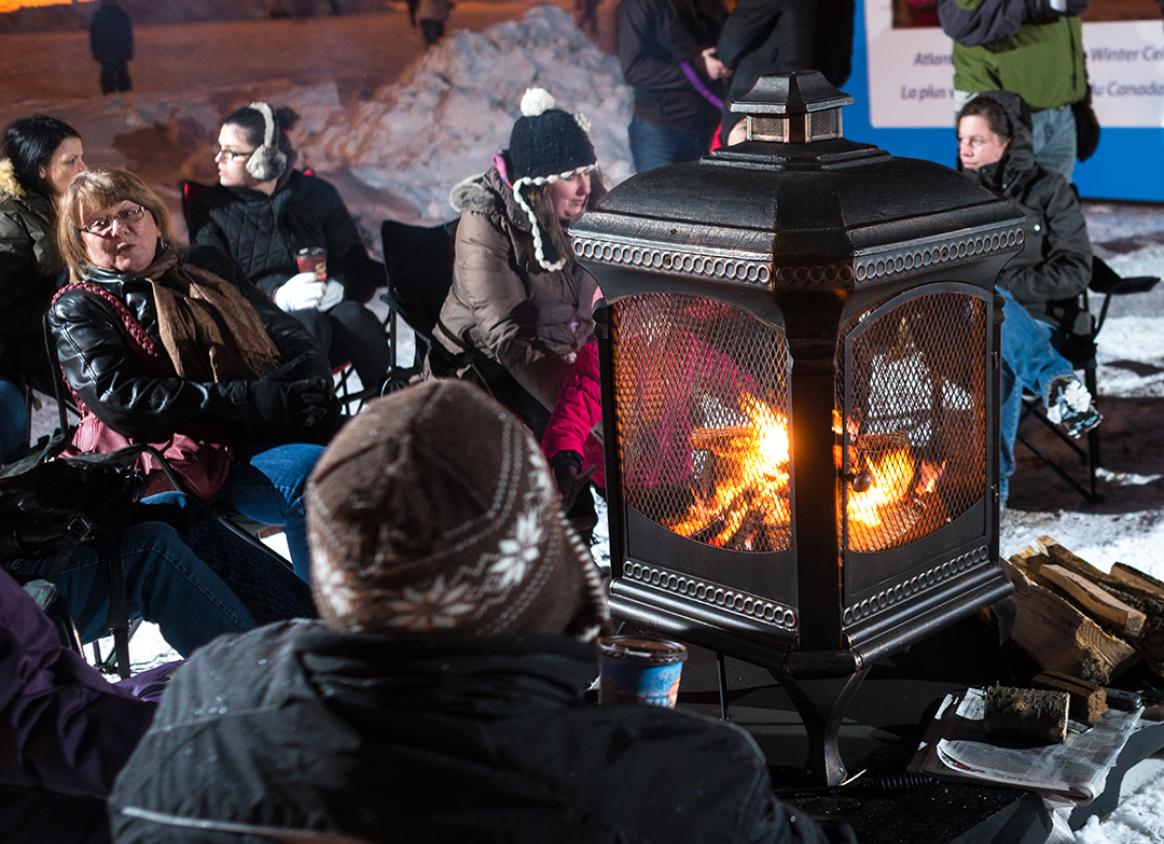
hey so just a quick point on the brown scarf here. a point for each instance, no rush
(209, 330)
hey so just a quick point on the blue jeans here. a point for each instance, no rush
(13, 420)
(1053, 131)
(166, 583)
(1030, 362)
(657, 146)
(267, 486)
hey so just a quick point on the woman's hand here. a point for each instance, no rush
(306, 403)
(301, 292)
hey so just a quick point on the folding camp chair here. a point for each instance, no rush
(1076, 341)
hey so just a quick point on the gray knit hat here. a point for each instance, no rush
(433, 511)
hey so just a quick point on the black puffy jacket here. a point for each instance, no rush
(262, 233)
(1055, 264)
(486, 740)
(104, 369)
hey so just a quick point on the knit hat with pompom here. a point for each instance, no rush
(546, 144)
(433, 512)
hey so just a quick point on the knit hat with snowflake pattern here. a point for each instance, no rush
(433, 511)
(546, 144)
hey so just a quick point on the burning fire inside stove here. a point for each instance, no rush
(751, 494)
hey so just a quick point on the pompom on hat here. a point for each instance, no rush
(546, 144)
(434, 512)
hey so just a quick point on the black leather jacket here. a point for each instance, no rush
(110, 377)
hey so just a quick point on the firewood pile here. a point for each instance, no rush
(1082, 627)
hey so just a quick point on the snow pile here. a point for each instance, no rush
(454, 110)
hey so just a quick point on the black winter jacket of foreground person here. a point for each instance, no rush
(1055, 264)
(262, 233)
(110, 377)
(484, 740)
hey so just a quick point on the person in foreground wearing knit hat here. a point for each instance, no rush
(441, 696)
(518, 299)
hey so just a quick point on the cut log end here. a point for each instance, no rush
(1026, 713)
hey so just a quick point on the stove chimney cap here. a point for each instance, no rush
(801, 107)
(799, 92)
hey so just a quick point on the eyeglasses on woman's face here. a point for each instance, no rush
(232, 154)
(104, 225)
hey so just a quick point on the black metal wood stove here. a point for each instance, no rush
(800, 373)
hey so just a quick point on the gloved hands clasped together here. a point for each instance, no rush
(305, 292)
(281, 399)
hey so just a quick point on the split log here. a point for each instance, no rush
(1150, 641)
(1095, 600)
(1060, 637)
(1088, 700)
(1137, 579)
(1026, 713)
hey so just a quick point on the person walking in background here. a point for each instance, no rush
(111, 41)
(667, 52)
(1033, 49)
(432, 15)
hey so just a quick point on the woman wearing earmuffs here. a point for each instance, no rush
(262, 211)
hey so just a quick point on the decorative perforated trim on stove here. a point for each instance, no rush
(702, 263)
(911, 586)
(911, 258)
(734, 601)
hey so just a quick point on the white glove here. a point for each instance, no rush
(332, 296)
(301, 292)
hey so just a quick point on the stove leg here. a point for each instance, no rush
(821, 703)
(724, 715)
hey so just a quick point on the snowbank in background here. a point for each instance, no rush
(416, 139)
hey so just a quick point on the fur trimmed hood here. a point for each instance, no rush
(8, 184)
(488, 193)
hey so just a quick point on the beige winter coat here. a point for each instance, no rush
(503, 303)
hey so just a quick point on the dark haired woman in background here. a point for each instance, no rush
(1040, 286)
(263, 211)
(41, 156)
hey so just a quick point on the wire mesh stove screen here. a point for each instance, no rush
(701, 397)
(913, 450)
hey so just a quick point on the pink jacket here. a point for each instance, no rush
(576, 412)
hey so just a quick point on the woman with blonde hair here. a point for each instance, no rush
(162, 349)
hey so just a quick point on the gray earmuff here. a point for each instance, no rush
(267, 162)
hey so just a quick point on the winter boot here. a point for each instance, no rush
(1069, 405)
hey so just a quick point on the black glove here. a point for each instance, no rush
(295, 369)
(568, 475)
(306, 404)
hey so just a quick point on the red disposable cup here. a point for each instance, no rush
(313, 259)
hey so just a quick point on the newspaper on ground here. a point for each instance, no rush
(957, 746)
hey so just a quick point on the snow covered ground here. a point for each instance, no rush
(394, 127)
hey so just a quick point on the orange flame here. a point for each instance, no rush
(749, 504)
(751, 495)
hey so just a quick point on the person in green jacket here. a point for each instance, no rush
(41, 156)
(1033, 48)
